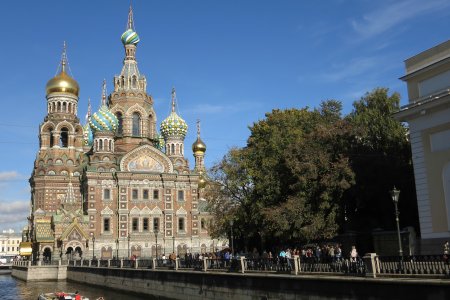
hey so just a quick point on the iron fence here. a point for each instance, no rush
(417, 264)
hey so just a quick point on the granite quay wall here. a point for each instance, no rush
(172, 284)
(26, 271)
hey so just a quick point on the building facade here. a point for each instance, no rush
(428, 115)
(114, 186)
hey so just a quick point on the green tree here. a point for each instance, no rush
(380, 156)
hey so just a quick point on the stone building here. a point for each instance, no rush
(428, 115)
(114, 186)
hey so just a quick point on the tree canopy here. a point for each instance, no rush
(305, 174)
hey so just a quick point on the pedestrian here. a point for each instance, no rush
(446, 252)
(353, 254)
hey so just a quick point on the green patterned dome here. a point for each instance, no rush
(88, 135)
(103, 120)
(173, 125)
(130, 37)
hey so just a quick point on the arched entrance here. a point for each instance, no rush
(182, 250)
(136, 250)
(106, 252)
(47, 254)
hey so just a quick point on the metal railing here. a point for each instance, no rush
(370, 265)
(413, 265)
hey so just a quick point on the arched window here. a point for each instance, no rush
(136, 124)
(172, 149)
(120, 124)
(50, 131)
(64, 138)
(123, 82)
(100, 145)
(134, 82)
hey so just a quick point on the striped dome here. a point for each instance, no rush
(173, 125)
(130, 37)
(88, 136)
(103, 120)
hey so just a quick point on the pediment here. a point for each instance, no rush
(145, 211)
(107, 211)
(134, 211)
(156, 211)
(74, 232)
(146, 159)
(181, 211)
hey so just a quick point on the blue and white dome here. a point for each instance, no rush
(103, 120)
(88, 135)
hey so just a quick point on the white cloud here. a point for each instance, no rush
(388, 16)
(14, 214)
(354, 67)
(9, 175)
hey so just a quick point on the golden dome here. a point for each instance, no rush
(198, 146)
(202, 181)
(62, 83)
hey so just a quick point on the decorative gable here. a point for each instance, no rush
(146, 158)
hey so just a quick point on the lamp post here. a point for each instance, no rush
(129, 238)
(232, 245)
(173, 243)
(395, 195)
(93, 247)
(117, 248)
(155, 231)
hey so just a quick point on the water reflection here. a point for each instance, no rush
(14, 289)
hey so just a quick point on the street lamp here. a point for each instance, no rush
(232, 245)
(155, 231)
(173, 243)
(129, 238)
(395, 195)
(93, 247)
(117, 248)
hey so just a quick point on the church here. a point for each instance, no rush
(114, 186)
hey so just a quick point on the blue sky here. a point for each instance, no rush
(230, 61)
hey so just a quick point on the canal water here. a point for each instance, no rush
(14, 289)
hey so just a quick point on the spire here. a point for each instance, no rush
(174, 96)
(64, 58)
(88, 114)
(198, 128)
(130, 19)
(104, 93)
(70, 195)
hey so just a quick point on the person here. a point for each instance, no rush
(446, 251)
(77, 296)
(353, 254)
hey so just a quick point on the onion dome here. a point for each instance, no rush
(130, 37)
(88, 135)
(62, 83)
(158, 142)
(103, 119)
(173, 125)
(199, 146)
(202, 181)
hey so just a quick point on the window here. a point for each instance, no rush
(134, 194)
(203, 223)
(145, 224)
(134, 224)
(181, 224)
(64, 138)
(136, 130)
(155, 194)
(106, 194)
(155, 224)
(106, 225)
(120, 123)
(180, 195)
(145, 194)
